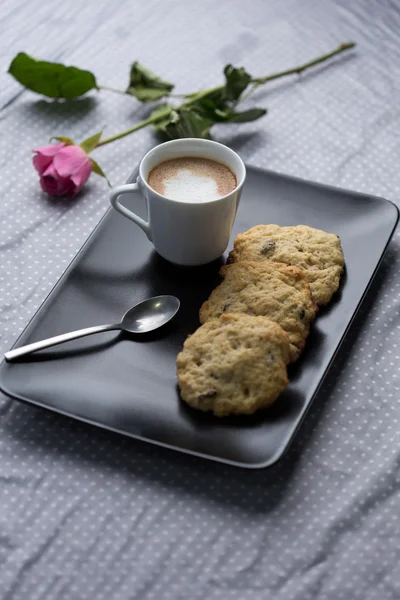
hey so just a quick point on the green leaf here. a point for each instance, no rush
(165, 127)
(51, 79)
(247, 115)
(90, 143)
(164, 112)
(64, 139)
(213, 109)
(146, 86)
(98, 170)
(223, 115)
(189, 123)
(214, 96)
(237, 81)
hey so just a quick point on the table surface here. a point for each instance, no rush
(86, 514)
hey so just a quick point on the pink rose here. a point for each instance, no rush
(63, 169)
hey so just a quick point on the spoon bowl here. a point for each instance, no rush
(150, 314)
(146, 316)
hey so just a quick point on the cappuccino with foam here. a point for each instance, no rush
(192, 179)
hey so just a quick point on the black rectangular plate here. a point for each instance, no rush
(129, 385)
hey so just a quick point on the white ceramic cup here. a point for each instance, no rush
(185, 233)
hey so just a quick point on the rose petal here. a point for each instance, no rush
(45, 156)
(50, 170)
(64, 187)
(72, 190)
(53, 184)
(41, 163)
(70, 160)
(50, 150)
(49, 185)
(80, 177)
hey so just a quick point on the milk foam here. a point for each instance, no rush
(188, 186)
(192, 179)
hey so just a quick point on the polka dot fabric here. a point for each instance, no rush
(89, 515)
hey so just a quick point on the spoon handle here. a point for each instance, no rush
(58, 339)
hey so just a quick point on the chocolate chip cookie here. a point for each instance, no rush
(272, 290)
(235, 364)
(315, 251)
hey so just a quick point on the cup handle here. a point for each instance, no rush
(114, 199)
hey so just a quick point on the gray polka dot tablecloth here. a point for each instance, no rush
(90, 515)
